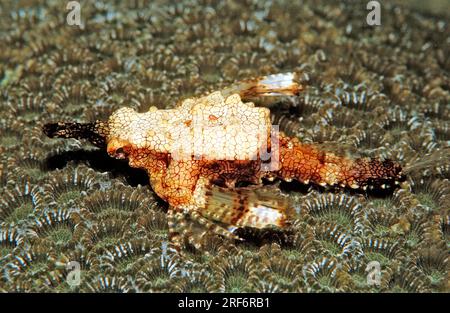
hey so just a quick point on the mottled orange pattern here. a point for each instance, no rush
(218, 139)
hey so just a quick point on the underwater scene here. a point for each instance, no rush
(350, 98)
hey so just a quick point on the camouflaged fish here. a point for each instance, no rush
(220, 140)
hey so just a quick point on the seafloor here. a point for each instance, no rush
(381, 91)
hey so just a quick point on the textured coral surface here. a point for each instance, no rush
(376, 91)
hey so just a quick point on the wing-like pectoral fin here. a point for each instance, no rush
(188, 226)
(248, 207)
(283, 84)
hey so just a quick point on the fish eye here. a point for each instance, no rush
(120, 153)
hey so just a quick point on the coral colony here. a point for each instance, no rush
(357, 198)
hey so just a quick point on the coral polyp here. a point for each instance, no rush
(383, 251)
(35, 269)
(405, 280)
(432, 194)
(342, 209)
(72, 98)
(10, 134)
(434, 263)
(284, 275)
(28, 109)
(28, 165)
(105, 233)
(153, 224)
(122, 201)
(60, 227)
(9, 240)
(235, 273)
(197, 280)
(336, 242)
(161, 274)
(327, 275)
(104, 283)
(20, 203)
(126, 257)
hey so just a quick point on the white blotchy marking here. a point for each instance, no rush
(267, 214)
(278, 80)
